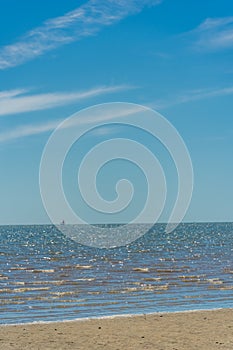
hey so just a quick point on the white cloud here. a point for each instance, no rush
(37, 129)
(193, 95)
(16, 101)
(11, 93)
(84, 21)
(28, 130)
(213, 34)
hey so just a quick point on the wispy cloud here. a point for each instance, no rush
(12, 93)
(213, 34)
(87, 20)
(37, 129)
(28, 130)
(192, 95)
(18, 101)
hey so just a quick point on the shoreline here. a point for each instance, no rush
(112, 317)
(183, 330)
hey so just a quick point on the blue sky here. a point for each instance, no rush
(173, 56)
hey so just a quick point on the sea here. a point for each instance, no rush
(45, 276)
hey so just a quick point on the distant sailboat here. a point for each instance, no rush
(63, 222)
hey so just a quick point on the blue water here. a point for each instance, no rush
(45, 276)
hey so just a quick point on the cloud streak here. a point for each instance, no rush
(37, 129)
(193, 95)
(213, 34)
(28, 130)
(87, 20)
(16, 101)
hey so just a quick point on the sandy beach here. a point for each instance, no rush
(174, 331)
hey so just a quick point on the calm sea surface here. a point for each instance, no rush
(44, 276)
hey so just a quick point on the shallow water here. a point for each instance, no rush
(45, 276)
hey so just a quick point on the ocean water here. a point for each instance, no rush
(45, 276)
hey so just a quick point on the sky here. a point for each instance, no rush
(172, 56)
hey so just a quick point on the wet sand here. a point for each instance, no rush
(207, 330)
